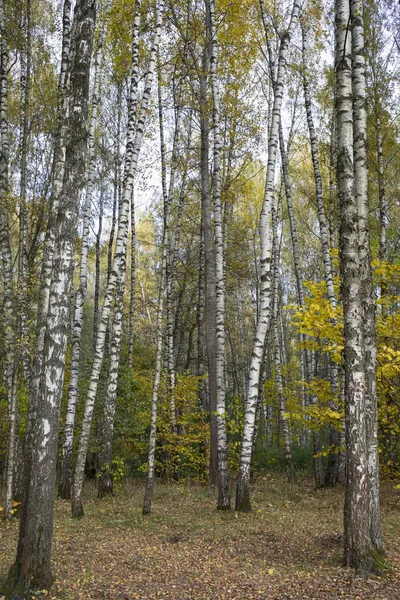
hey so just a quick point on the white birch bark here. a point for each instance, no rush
(134, 142)
(360, 546)
(32, 568)
(209, 257)
(222, 438)
(243, 483)
(7, 262)
(66, 460)
(148, 496)
(367, 288)
(167, 198)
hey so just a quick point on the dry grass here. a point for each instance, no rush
(288, 547)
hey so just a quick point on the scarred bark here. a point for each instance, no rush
(362, 540)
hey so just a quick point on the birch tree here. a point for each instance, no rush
(243, 482)
(362, 541)
(222, 439)
(7, 262)
(66, 461)
(32, 568)
(134, 142)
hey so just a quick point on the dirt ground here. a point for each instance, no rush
(290, 546)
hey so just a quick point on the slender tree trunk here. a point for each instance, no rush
(7, 262)
(66, 460)
(331, 475)
(167, 198)
(23, 307)
(32, 568)
(134, 143)
(287, 438)
(222, 438)
(148, 497)
(243, 483)
(132, 284)
(210, 309)
(96, 300)
(165, 282)
(384, 214)
(200, 369)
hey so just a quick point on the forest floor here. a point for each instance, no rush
(290, 546)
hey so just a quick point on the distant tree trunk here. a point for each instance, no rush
(134, 143)
(287, 438)
(200, 368)
(222, 438)
(96, 300)
(7, 260)
(148, 497)
(23, 308)
(332, 472)
(32, 569)
(243, 483)
(132, 284)
(66, 460)
(167, 199)
(210, 309)
(164, 289)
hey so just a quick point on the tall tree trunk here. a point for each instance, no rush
(360, 547)
(210, 308)
(367, 286)
(66, 460)
(167, 199)
(32, 568)
(243, 483)
(222, 438)
(164, 290)
(25, 79)
(7, 260)
(134, 142)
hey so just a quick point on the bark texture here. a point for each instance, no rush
(362, 541)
